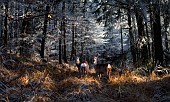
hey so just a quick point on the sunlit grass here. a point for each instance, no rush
(127, 77)
(73, 85)
(83, 80)
(28, 64)
(24, 80)
(66, 82)
(134, 78)
(49, 83)
(38, 74)
(35, 59)
(135, 86)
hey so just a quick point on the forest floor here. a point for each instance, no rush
(30, 80)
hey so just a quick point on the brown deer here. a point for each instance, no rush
(102, 69)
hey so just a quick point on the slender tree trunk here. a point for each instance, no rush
(64, 41)
(44, 32)
(148, 47)
(24, 25)
(167, 49)
(121, 40)
(60, 42)
(166, 40)
(157, 35)
(6, 24)
(73, 44)
(143, 53)
(166, 23)
(72, 57)
(24, 28)
(152, 35)
(82, 51)
(133, 51)
(64, 32)
(140, 24)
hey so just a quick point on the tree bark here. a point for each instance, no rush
(6, 24)
(152, 35)
(25, 24)
(60, 54)
(64, 41)
(44, 32)
(157, 35)
(143, 53)
(64, 33)
(148, 47)
(73, 45)
(133, 51)
(166, 23)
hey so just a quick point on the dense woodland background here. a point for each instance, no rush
(40, 40)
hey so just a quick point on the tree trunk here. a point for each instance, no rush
(82, 51)
(6, 24)
(143, 53)
(152, 35)
(121, 40)
(133, 51)
(148, 47)
(167, 49)
(157, 35)
(64, 40)
(24, 28)
(73, 45)
(64, 32)
(166, 23)
(44, 32)
(60, 54)
(25, 24)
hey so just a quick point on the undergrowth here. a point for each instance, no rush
(51, 82)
